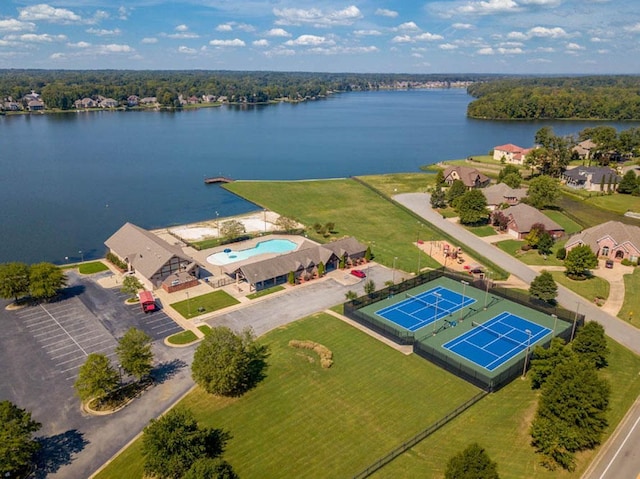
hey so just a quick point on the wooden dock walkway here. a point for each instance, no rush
(217, 179)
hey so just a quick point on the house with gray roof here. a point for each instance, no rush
(471, 177)
(583, 149)
(501, 194)
(149, 257)
(522, 217)
(612, 240)
(591, 178)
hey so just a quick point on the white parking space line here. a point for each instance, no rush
(167, 330)
(50, 335)
(61, 327)
(70, 360)
(41, 322)
(93, 345)
(66, 346)
(62, 355)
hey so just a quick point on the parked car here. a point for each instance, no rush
(358, 273)
(608, 264)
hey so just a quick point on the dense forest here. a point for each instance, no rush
(589, 98)
(59, 89)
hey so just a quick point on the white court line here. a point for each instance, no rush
(61, 327)
(620, 448)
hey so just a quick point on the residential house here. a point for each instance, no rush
(510, 153)
(612, 240)
(35, 105)
(133, 100)
(108, 103)
(193, 100)
(583, 149)
(85, 103)
(11, 106)
(591, 178)
(471, 177)
(522, 217)
(208, 98)
(501, 194)
(149, 100)
(151, 259)
(31, 97)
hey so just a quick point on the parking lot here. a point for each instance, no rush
(68, 332)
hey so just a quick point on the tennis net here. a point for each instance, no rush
(420, 300)
(499, 335)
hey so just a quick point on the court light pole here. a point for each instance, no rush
(393, 275)
(526, 356)
(486, 293)
(555, 323)
(435, 320)
(575, 320)
(81, 256)
(464, 289)
(217, 224)
(188, 305)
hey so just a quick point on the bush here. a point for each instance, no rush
(326, 356)
(561, 254)
(525, 247)
(117, 262)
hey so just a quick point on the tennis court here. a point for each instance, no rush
(493, 343)
(418, 311)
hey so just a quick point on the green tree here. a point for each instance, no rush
(96, 377)
(543, 192)
(174, 442)
(591, 344)
(368, 254)
(513, 180)
(545, 243)
(561, 254)
(17, 445)
(229, 364)
(534, 235)
(131, 285)
(14, 280)
(134, 353)
(46, 280)
(472, 207)
(508, 170)
(544, 287)
(545, 360)
(349, 295)
(471, 463)
(291, 277)
(571, 414)
(321, 269)
(456, 190)
(579, 261)
(209, 468)
(628, 184)
(232, 229)
(369, 287)
(438, 198)
(439, 178)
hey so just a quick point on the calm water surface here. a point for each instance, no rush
(69, 181)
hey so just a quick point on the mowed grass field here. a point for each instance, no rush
(630, 310)
(305, 421)
(356, 211)
(500, 423)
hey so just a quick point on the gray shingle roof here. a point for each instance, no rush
(526, 216)
(580, 173)
(499, 193)
(467, 174)
(619, 232)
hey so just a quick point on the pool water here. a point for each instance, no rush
(263, 247)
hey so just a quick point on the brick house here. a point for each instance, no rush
(612, 240)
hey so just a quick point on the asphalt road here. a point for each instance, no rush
(619, 458)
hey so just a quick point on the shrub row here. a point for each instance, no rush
(117, 262)
(326, 356)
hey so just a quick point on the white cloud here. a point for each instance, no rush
(277, 32)
(280, 52)
(539, 60)
(307, 40)
(408, 26)
(181, 28)
(260, 43)
(224, 27)
(541, 3)
(99, 16)
(603, 51)
(509, 51)
(383, 12)
(488, 7)
(546, 49)
(599, 40)
(13, 25)
(574, 47)
(428, 37)
(462, 26)
(114, 48)
(123, 13)
(338, 50)
(236, 42)
(517, 36)
(149, 40)
(447, 46)
(79, 45)
(187, 50)
(182, 35)
(364, 33)
(401, 39)
(37, 38)
(317, 17)
(47, 13)
(58, 56)
(101, 32)
(544, 32)
(245, 27)
(486, 51)
(417, 55)
(632, 28)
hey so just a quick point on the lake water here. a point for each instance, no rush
(69, 181)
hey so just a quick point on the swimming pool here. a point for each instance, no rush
(229, 256)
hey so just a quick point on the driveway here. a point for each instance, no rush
(617, 329)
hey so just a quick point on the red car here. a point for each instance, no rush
(358, 273)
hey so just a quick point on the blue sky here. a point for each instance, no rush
(448, 36)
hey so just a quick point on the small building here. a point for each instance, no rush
(591, 178)
(35, 105)
(11, 106)
(85, 103)
(522, 217)
(108, 103)
(612, 240)
(583, 149)
(151, 259)
(471, 177)
(510, 153)
(133, 100)
(501, 194)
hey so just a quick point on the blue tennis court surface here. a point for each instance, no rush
(418, 311)
(493, 343)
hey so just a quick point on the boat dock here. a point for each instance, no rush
(217, 179)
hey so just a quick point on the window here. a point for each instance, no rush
(605, 251)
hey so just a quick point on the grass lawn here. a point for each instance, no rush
(531, 257)
(184, 337)
(482, 230)
(396, 183)
(587, 212)
(192, 307)
(630, 310)
(93, 267)
(617, 203)
(305, 421)
(448, 212)
(265, 292)
(356, 211)
(204, 328)
(563, 220)
(500, 423)
(590, 289)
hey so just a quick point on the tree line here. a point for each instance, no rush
(61, 88)
(590, 98)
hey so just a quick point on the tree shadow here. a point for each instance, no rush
(165, 371)
(57, 451)
(69, 292)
